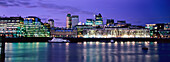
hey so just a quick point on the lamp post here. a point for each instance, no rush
(3, 47)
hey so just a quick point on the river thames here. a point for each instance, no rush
(87, 52)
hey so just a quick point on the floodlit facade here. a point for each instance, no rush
(33, 27)
(60, 32)
(116, 33)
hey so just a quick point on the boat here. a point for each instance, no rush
(58, 40)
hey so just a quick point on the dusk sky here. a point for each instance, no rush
(137, 12)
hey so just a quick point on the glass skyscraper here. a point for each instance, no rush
(68, 21)
(75, 20)
(99, 19)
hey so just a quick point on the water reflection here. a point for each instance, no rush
(87, 52)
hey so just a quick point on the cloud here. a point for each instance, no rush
(40, 4)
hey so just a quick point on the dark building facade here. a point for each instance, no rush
(110, 22)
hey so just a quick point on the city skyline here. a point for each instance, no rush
(135, 12)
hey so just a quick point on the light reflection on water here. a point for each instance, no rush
(87, 52)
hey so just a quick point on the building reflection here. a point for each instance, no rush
(126, 51)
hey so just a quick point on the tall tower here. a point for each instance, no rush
(99, 19)
(75, 20)
(51, 22)
(68, 21)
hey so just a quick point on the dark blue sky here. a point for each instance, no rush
(137, 12)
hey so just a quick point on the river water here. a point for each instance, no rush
(87, 52)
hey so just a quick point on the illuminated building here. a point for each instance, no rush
(11, 26)
(51, 22)
(89, 22)
(110, 22)
(165, 33)
(75, 20)
(35, 28)
(47, 25)
(154, 29)
(116, 33)
(98, 19)
(62, 32)
(68, 21)
(81, 28)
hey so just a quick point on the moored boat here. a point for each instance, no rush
(58, 40)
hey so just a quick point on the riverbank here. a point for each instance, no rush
(45, 39)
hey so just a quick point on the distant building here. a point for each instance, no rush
(69, 21)
(89, 22)
(98, 19)
(110, 22)
(75, 20)
(62, 32)
(122, 24)
(51, 22)
(11, 26)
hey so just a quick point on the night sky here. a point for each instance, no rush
(137, 12)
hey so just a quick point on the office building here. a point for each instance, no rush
(51, 22)
(98, 19)
(69, 21)
(116, 33)
(75, 20)
(11, 27)
(35, 28)
(90, 22)
(110, 22)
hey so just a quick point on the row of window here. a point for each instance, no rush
(9, 21)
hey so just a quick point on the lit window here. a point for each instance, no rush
(17, 20)
(5, 20)
(13, 20)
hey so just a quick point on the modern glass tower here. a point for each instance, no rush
(35, 28)
(99, 19)
(68, 21)
(75, 20)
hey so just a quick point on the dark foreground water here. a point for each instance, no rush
(87, 52)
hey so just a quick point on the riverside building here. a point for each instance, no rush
(35, 28)
(116, 33)
(11, 27)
